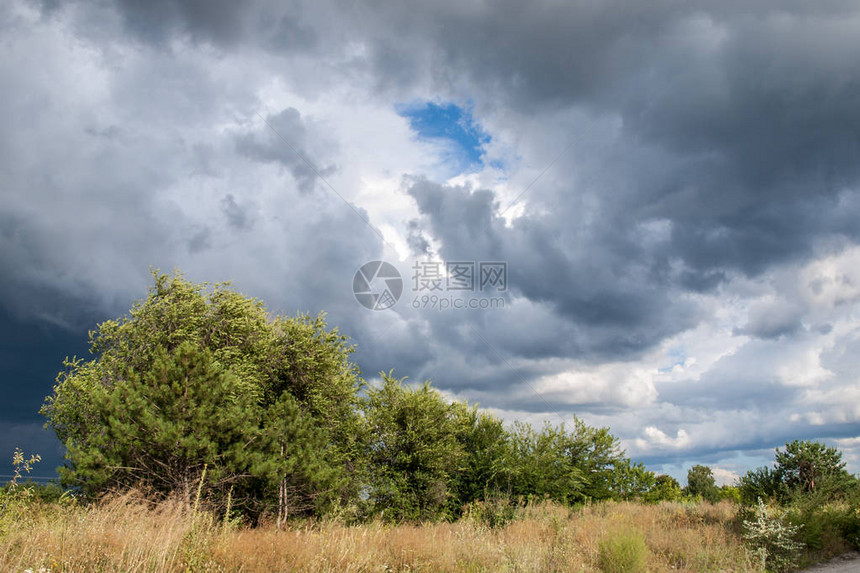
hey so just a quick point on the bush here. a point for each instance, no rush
(494, 512)
(772, 539)
(820, 525)
(849, 525)
(413, 451)
(623, 552)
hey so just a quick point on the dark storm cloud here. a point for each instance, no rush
(752, 105)
(277, 25)
(31, 355)
(284, 143)
(601, 289)
(751, 108)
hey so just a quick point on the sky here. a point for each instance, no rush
(671, 189)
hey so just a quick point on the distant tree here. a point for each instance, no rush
(731, 493)
(666, 488)
(701, 482)
(414, 450)
(198, 376)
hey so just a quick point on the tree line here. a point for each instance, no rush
(198, 391)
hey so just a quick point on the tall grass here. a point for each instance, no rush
(129, 534)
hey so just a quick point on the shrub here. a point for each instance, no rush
(494, 512)
(772, 539)
(414, 451)
(14, 496)
(623, 552)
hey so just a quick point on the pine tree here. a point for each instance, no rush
(198, 376)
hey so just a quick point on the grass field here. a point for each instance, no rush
(128, 534)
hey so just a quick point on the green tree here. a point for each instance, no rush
(731, 493)
(762, 483)
(200, 376)
(631, 480)
(666, 488)
(596, 453)
(700, 482)
(483, 472)
(540, 464)
(414, 453)
(808, 467)
(159, 428)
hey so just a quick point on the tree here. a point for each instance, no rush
(701, 482)
(666, 488)
(414, 451)
(596, 453)
(540, 464)
(808, 467)
(483, 472)
(200, 376)
(631, 480)
(762, 483)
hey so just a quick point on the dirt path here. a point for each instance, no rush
(848, 563)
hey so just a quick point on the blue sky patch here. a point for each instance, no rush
(453, 123)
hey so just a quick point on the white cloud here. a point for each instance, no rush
(725, 477)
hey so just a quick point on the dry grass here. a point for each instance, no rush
(125, 534)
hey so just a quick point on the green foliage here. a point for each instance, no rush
(160, 427)
(811, 467)
(802, 469)
(200, 376)
(849, 524)
(541, 464)
(700, 482)
(819, 526)
(623, 552)
(666, 488)
(567, 466)
(484, 469)
(495, 511)
(595, 452)
(631, 481)
(764, 483)
(296, 460)
(731, 493)
(818, 497)
(14, 496)
(414, 450)
(772, 539)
